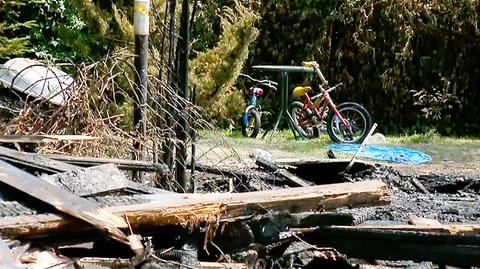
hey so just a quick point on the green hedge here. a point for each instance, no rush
(414, 65)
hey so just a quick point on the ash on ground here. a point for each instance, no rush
(447, 198)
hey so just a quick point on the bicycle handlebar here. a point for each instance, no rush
(265, 82)
(316, 67)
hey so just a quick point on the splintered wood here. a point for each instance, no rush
(183, 209)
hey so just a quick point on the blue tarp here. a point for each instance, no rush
(385, 153)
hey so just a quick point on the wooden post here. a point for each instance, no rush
(183, 44)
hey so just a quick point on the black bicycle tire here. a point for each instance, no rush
(257, 123)
(300, 130)
(367, 120)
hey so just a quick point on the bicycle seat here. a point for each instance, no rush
(300, 90)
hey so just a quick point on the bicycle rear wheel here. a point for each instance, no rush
(304, 124)
(358, 118)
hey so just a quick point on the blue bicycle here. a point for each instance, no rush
(251, 120)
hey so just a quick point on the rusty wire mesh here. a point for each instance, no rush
(100, 105)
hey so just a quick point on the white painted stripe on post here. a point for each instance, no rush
(141, 10)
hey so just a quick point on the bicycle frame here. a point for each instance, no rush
(254, 92)
(320, 103)
(347, 123)
(252, 102)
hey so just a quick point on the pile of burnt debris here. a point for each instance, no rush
(61, 211)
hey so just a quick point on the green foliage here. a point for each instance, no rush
(74, 30)
(14, 38)
(58, 35)
(63, 30)
(215, 71)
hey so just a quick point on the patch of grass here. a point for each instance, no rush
(284, 145)
(279, 134)
(441, 148)
(427, 137)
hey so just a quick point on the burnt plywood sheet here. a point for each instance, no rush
(64, 201)
(34, 160)
(98, 180)
(322, 171)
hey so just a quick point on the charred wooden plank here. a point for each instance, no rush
(459, 229)
(35, 161)
(293, 179)
(44, 138)
(327, 218)
(419, 186)
(184, 209)
(109, 262)
(63, 200)
(120, 163)
(380, 244)
(330, 167)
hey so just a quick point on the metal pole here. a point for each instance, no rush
(141, 30)
(352, 161)
(169, 144)
(284, 106)
(193, 134)
(184, 42)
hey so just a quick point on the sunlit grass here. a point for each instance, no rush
(427, 137)
(284, 145)
(441, 148)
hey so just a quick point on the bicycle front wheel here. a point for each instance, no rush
(251, 122)
(359, 124)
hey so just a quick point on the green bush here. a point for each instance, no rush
(214, 71)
